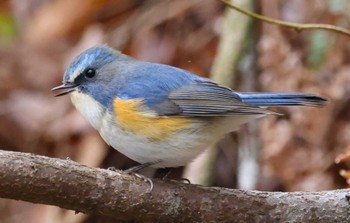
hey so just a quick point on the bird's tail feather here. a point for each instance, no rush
(282, 99)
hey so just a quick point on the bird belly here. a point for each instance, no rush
(175, 150)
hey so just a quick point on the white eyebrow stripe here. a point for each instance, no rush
(74, 75)
(84, 61)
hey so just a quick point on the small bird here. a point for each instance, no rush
(158, 115)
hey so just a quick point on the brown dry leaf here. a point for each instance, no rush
(346, 175)
(343, 156)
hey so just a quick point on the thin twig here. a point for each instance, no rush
(297, 26)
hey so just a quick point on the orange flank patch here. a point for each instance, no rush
(130, 117)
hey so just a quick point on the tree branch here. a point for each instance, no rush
(69, 185)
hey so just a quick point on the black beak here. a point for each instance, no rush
(67, 87)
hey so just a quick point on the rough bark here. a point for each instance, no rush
(69, 185)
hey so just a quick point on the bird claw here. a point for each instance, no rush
(134, 169)
(166, 177)
(185, 180)
(146, 179)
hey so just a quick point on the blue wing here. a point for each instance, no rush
(168, 90)
(172, 91)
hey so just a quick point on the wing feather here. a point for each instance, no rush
(205, 98)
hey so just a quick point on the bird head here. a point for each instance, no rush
(89, 71)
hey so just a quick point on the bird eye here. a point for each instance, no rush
(89, 73)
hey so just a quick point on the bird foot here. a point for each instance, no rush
(135, 169)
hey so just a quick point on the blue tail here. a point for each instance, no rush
(281, 99)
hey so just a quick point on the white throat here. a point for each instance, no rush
(91, 109)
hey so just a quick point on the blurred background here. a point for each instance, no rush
(306, 149)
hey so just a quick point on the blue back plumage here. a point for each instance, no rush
(153, 82)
